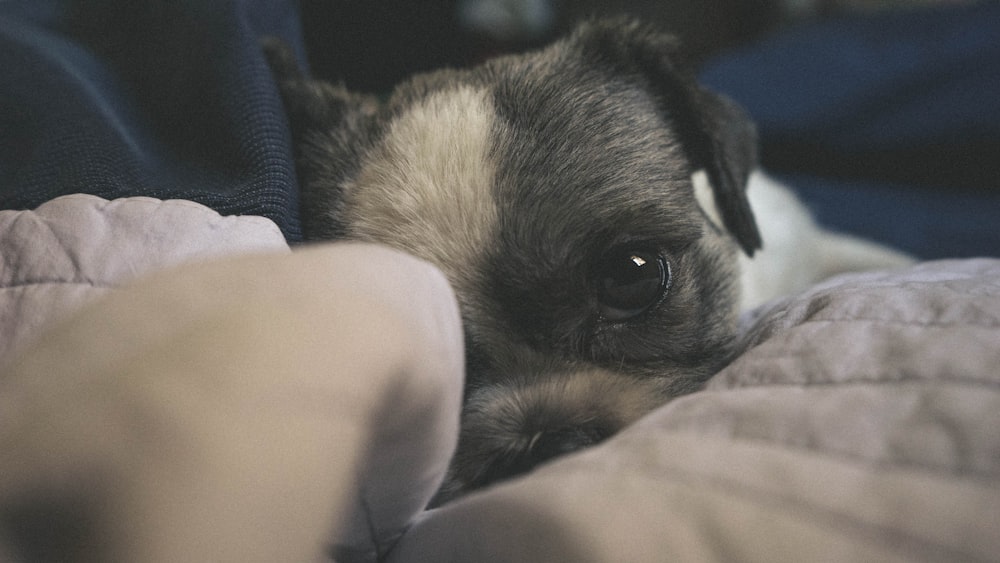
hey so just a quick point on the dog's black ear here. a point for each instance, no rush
(331, 130)
(724, 141)
(717, 135)
(313, 105)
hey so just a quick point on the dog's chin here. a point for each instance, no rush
(510, 428)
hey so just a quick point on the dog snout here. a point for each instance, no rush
(512, 427)
(548, 445)
(543, 446)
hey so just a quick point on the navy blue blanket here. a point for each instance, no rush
(168, 98)
(888, 126)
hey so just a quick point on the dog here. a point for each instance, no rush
(587, 202)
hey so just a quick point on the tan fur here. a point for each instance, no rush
(427, 187)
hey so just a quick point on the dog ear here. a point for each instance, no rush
(715, 132)
(331, 130)
(313, 105)
(725, 143)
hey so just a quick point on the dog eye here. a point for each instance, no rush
(630, 281)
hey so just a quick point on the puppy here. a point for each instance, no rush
(554, 190)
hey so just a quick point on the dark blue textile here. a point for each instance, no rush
(865, 83)
(927, 224)
(888, 126)
(162, 98)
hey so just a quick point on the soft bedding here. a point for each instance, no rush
(76, 247)
(860, 424)
(278, 406)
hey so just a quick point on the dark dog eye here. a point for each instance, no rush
(629, 281)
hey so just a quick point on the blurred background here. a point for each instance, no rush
(882, 114)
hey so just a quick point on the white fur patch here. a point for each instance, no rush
(428, 188)
(797, 251)
(706, 197)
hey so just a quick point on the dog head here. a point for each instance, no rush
(554, 189)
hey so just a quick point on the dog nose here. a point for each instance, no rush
(544, 446)
(547, 445)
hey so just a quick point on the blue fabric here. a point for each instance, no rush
(927, 224)
(162, 98)
(866, 83)
(888, 126)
